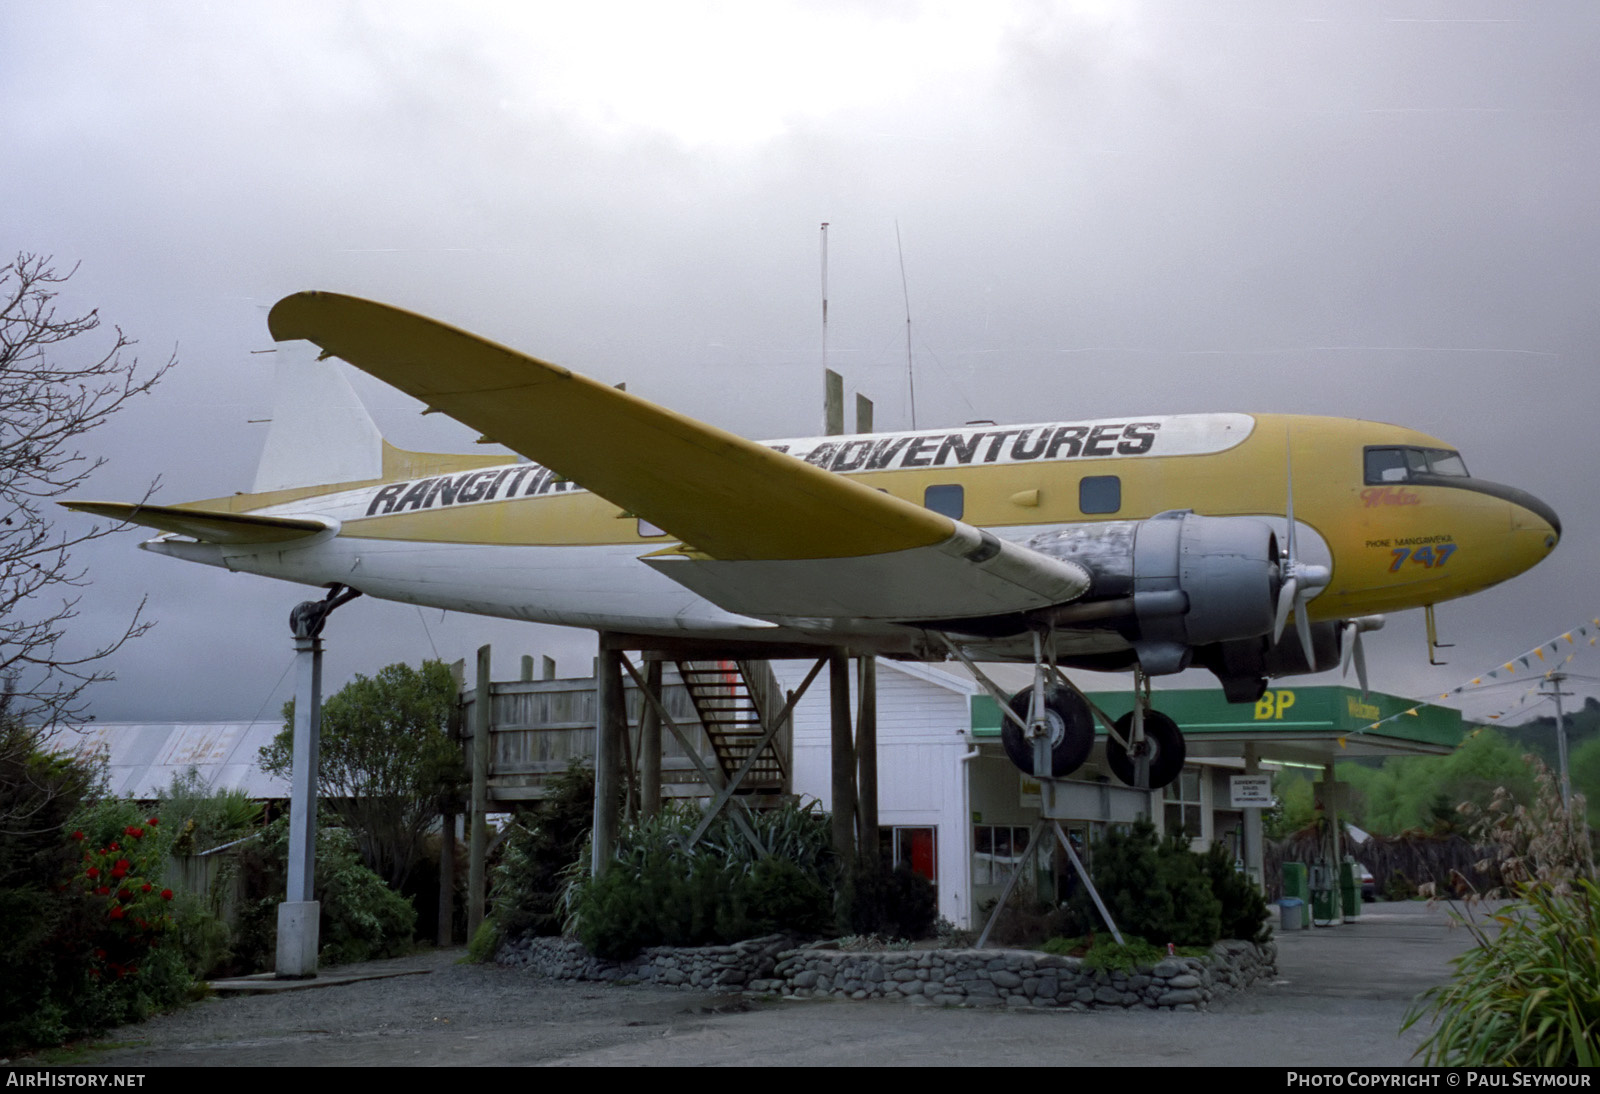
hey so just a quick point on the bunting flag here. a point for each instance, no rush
(1589, 630)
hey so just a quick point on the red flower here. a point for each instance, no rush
(78, 835)
(145, 888)
(102, 891)
(153, 821)
(116, 911)
(101, 954)
(166, 894)
(124, 894)
(92, 872)
(113, 847)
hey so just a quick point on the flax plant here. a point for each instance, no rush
(1528, 992)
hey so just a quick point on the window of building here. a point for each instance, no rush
(996, 850)
(949, 500)
(1183, 806)
(1099, 494)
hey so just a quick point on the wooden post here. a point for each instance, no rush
(445, 935)
(650, 744)
(608, 743)
(478, 846)
(867, 754)
(527, 669)
(844, 761)
(549, 667)
(863, 413)
(832, 403)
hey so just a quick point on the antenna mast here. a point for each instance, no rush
(911, 377)
(824, 307)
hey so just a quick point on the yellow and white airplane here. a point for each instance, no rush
(1143, 543)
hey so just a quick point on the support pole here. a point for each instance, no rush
(867, 753)
(650, 744)
(478, 844)
(299, 914)
(844, 761)
(608, 744)
(1254, 852)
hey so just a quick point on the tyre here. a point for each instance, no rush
(1071, 731)
(1167, 751)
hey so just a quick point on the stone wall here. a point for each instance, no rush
(972, 978)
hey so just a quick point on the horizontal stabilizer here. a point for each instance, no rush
(228, 529)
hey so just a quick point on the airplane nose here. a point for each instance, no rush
(1528, 513)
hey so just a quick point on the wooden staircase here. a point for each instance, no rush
(733, 713)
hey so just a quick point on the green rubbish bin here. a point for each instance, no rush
(1350, 888)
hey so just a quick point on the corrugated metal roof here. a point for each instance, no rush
(142, 758)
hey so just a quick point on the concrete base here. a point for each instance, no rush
(298, 930)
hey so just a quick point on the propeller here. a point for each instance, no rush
(1350, 646)
(1300, 581)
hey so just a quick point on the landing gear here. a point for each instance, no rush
(1144, 747)
(1163, 747)
(1071, 731)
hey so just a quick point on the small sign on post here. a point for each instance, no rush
(1251, 791)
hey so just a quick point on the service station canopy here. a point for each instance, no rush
(1308, 725)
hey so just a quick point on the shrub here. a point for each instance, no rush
(1243, 912)
(45, 917)
(539, 844)
(657, 890)
(1154, 889)
(362, 918)
(1524, 996)
(894, 903)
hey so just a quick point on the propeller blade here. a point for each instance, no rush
(1302, 624)
(1361, 665)
(1285, 605)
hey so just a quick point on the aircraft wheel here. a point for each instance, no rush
(1071, 731)
(1167, 750)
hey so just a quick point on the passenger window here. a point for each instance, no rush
(949, 500)
(1099, 494)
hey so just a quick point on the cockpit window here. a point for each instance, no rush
(1389, 465)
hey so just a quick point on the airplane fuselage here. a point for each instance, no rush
(1391, 512)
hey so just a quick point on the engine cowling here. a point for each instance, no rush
(1185, 580)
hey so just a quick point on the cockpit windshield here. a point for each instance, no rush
(1390, 465)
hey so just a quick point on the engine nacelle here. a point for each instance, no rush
(1244, 665)
(1185, 580)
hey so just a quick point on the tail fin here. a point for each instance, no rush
(320, 432)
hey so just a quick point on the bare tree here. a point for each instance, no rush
(52, 392)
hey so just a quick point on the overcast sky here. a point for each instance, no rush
(1372, 210)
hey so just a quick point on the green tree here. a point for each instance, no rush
(1424, 791)
(1584, 767)
(386, 761)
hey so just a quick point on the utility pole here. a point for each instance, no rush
(1555, 679)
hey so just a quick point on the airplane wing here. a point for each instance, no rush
(207, 526)
(763, 532)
